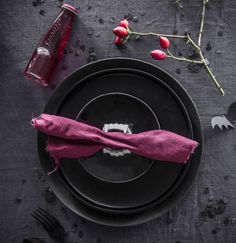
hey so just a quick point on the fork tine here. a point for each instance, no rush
(49, 225)
(44, 219)
(45, 226)
(44, 215)
(48, 216)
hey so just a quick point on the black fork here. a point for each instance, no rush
(50, 224)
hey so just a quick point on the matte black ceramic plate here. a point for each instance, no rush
(125, 109)
(66, 101)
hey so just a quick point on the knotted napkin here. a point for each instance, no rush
(68, 138)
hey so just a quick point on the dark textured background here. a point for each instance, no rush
(22, 186)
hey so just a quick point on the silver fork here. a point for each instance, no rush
(50, 224)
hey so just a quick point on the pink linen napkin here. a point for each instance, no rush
(68, 138)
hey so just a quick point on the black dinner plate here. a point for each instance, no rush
(166, 112)
(124, 91)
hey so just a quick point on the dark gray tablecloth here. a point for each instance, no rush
(22, 186)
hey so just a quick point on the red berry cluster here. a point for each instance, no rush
(122, 32)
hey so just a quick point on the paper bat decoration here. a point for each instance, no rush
(221, 121)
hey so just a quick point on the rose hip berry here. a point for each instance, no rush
(118, 40)
(164, 42)
(120, 31)
(158, 54)
(124, 23)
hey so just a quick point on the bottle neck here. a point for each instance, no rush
(70, 9)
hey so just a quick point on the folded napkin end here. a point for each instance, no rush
(192, 151)
(36, 122)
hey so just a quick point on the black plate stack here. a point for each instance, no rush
(117, 187)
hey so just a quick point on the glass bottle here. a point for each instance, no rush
(51, 47)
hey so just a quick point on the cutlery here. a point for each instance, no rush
(50, 224)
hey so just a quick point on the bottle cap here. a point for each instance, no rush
(70, 8)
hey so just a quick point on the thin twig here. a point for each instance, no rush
(202, 21)
(178, 3)
(197, 46)
(198, 49)
(206, 65)
(158, 35)
(182, 58)
(192, 42)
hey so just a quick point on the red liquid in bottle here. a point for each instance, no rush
(51, 47)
